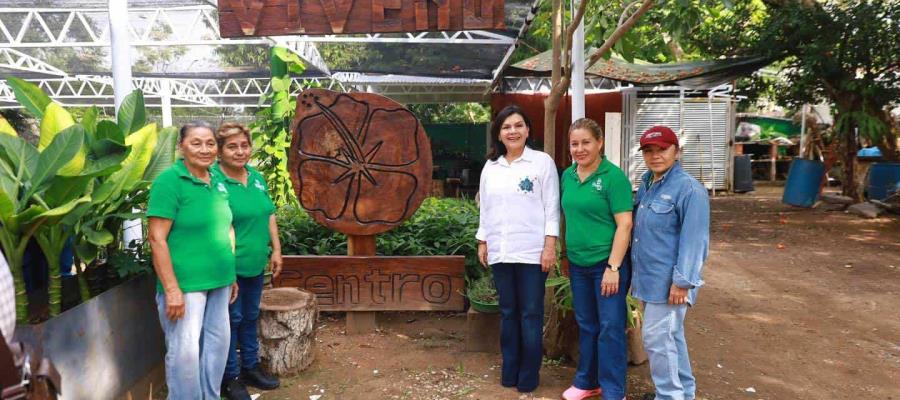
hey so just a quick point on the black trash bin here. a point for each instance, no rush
(743, 174)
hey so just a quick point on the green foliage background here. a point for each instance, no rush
(439, 227)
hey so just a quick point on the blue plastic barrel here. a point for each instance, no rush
(804, 178)
(883, 180)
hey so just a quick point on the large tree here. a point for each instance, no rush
(846, 53)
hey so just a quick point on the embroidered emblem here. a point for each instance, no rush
(598, 184)
(526, 185)
(259, 185)
(221, 187)
(665, 197)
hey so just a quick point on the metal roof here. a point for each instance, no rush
(42, 40)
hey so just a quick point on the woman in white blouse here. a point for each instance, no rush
(518, 227)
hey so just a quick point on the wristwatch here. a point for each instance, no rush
(613, 268)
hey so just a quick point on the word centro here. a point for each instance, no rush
(375, 288)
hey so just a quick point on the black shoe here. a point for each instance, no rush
(257, 378)
(234, 389)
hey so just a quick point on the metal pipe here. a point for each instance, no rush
(120, 51)
(712, 158)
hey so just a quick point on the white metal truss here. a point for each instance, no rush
(247, 92)
(172, 26)
(541, 84)
(16, 60)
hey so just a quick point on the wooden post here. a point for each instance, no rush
(360, 322)
(773, 156)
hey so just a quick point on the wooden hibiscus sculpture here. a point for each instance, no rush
(360, 162)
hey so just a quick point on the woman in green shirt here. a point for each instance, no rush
(255, 231)
(596, 203)
(193, 254)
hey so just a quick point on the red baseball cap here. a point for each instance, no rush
(659, 135)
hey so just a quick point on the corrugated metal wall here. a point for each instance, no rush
(706, 149)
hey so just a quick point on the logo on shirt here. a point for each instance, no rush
(526, 185)
(598, 184)
(221, 187)
(259, 185)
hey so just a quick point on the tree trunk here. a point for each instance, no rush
(848, 150)
(551, 103)
(287, 335)
(561, 334)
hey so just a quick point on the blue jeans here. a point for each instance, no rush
(521, 291)
(196, 344)
(670, 366)
(244, 313)
(602, 342)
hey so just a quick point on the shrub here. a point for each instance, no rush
(439, 227)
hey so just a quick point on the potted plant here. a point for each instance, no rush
(483, 295)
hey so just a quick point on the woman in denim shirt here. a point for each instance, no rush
(670, 245)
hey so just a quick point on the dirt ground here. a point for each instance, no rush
(798, 304)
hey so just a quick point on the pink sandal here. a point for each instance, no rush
(574, 393)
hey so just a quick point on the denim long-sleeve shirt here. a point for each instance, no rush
(671, 236)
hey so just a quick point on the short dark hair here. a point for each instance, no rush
(193, 125)
(498, 149)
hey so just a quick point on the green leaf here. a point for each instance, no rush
(109, 130)
(89, 121)
(277, 66)
(6, 128)
(21, 154)
(99, 238)
(105, 147)
(281, 84)
(64, 147)
(7, 206)
(105, 165)
(164, 153)
(132, 115)
(142, 144)
(64, 189)
(55, 214)
(27, 217)
(73, 217)
(29, 96)
(86, 252)
(108, 189)
(57, 119)
(296, 68)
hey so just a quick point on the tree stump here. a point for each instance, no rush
(287, 334)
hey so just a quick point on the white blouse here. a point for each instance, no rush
(519, 206)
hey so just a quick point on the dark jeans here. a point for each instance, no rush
(521, 291)
(602, 342)
(244, 312)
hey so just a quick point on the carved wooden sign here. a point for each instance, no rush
(242, 18)
(360, 163)
(345, 283)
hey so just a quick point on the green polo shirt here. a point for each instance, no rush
(589, 208)
(251, 208)
(199, 241)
